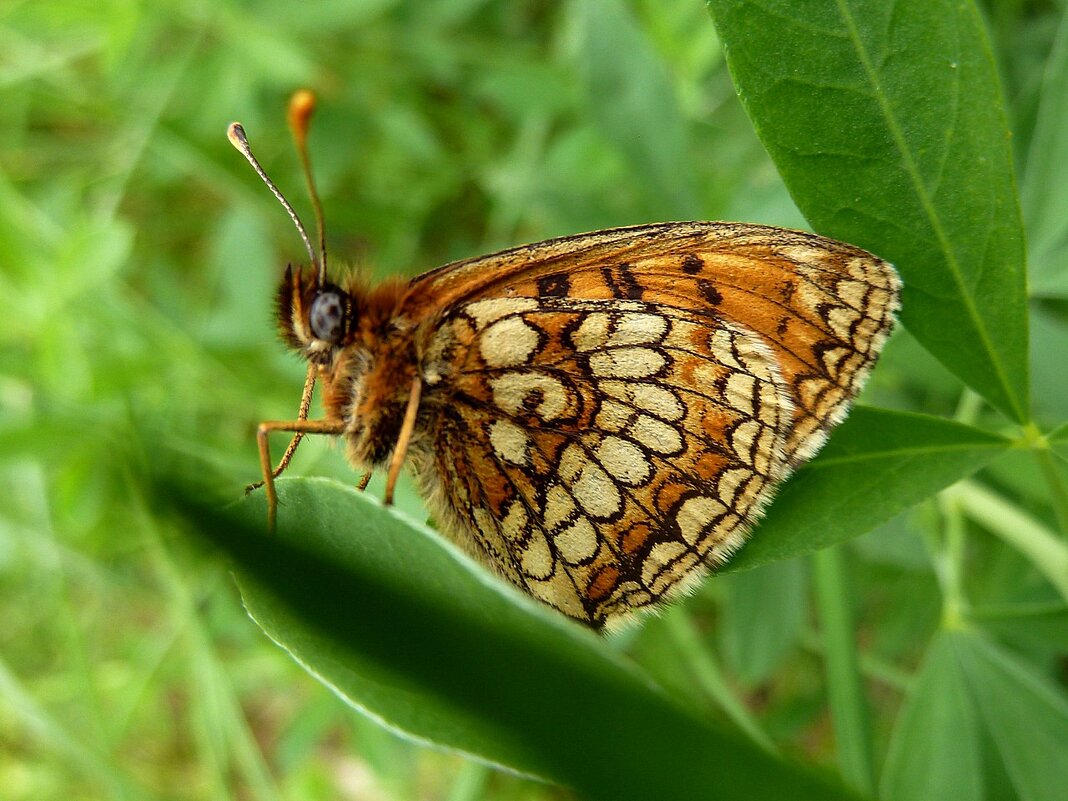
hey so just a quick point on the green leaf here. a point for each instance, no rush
(1039, 627)
(934, 751)
(1044, 191)
(886, 123)
(403, 626)
(1025, 713)
(634, 105)
(877, 464)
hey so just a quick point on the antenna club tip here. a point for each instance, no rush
(301, 107)
(235, 132)
(302, 102)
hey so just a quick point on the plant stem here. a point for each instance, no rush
(1044, 549)
(849, 709)
(872, 667)
(949, 562)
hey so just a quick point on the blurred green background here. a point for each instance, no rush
(138, 256)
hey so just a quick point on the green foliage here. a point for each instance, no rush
(886, 123)
(877, 465)
(450, 656)
(138, 254)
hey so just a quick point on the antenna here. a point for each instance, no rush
(301, 108)
(236, 134)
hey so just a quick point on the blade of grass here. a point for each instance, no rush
(223, 730)
(709, 676)
(56, 739)
(634, 104)
(845, 688)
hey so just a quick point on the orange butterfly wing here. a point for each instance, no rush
(610, 412)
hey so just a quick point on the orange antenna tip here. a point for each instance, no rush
(301, 108)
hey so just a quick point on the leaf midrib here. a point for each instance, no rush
(835, 461)
(926, 204)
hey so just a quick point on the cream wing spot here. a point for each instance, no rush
(852, 292)
(659, 401)
(841, 319)
(695, 515)
(739, 394)
(722, 343)
(577, 543)
(596, 492)
(655, 435)
(744, 436)
(484, 312)
(510, 442)
(624, 461)
(880, 299)
(660, 556)
(487, 527)
(557, 591)
(767, 454)
(832, 359)
(535, 557)
(638, 329)
(729, 481)
(509, 342)
(511, 390)
(868, 330)
(803, 254)
(632, 362)
(515, 522)
(571, 463)
(592, 332)
(808, 391)
(772, 405)
(559, 506)
(613, 416)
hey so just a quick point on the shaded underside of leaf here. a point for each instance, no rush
(886, 123)
(877, 464)
(402, 625)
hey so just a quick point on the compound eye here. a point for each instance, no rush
(327, 317)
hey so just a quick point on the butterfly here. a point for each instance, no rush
(600, 419)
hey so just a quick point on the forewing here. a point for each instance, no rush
(600, 452)
(822, 307)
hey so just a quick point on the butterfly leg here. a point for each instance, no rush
(365, 480)
(302, 414)
(300, 427)
(405, 436)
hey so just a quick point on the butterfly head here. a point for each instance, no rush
(315, 319)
